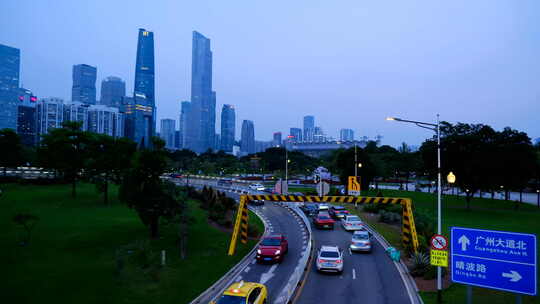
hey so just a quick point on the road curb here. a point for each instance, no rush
(408, 280)
(223, 282)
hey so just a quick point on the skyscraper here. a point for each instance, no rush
(277, 139)
(10, 59)
(296, 134)
(168, 126)
(112, 91)
(185, 110)
(309, 128)
(200, 132)
(346, 135)
(247, 144)
(144, 120)
(228, 128)
(84, 84)
(26, 117)
(50, 115)
(105, 120)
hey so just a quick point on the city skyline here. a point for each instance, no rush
(389, 83)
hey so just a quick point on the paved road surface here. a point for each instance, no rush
(367, 277)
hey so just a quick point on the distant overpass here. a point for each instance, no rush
(317, 149)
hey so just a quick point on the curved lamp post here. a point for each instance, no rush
(437, 129)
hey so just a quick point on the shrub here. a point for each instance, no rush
(419, 264)
(253, 231)
(389, 217)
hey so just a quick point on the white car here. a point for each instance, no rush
(361, 241)
(323, 208)
(257, 187)
(329, 259)
(352, 223)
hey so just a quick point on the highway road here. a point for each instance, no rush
(275, 276)
(367, 277)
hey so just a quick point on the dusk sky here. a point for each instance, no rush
(349, 63)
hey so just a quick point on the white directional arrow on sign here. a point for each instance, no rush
(464, 241)
(265, 277)
(514, 276)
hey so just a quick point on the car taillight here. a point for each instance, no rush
(321, 261)
(348, 224)
(338, 261)
(368, 243)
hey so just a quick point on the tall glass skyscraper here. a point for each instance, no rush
(228, 128)
(296, 134)
(142, 119)
(182, 125)
(247, 144)
(168, 127)
(10, 62)
(84, 84)
(201, 126)
(309, 128)
(112, 91)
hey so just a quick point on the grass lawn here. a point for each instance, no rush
(71, 257)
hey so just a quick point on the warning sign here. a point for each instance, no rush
(438, 257)
(354, 186)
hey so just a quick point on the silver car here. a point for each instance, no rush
(361, 241)
(352, 223)
(329, 259)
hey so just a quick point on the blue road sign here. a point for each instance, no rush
(494, 259)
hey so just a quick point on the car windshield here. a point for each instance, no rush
(225, 299)
(353, 219)
(329, 254)
(339, 208)
(360, 237)
(324, 217)
(270, 242)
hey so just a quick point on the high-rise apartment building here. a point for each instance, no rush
(247, 144)
(185, 110)
(168, 127)
(50, 115)
(105, 120)
(228, 128)
(200, 132)
(112, 91)
(309, 128)
(318, 135)
(276, 142)
(296, 134)
(142, 119)
(84, 84)
(10, 59)
(346, 135)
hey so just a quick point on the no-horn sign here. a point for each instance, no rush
(439, 242)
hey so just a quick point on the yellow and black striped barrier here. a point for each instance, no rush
(408, 230)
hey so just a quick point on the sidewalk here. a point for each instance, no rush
(528, 198)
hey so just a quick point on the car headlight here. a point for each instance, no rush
(278, 252)
(258, 251)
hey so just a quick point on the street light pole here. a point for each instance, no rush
(436, 128)
(355, 161)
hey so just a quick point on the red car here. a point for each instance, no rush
(323, 220)
(338, 212)
(272, 248)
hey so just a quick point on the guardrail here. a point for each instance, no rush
(294, 282)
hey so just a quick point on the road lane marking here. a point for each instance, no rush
(354, 274)
(265, 277)
(247, 269)
(350, 251)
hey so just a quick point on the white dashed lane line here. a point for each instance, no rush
(247, 269)
(354, 274)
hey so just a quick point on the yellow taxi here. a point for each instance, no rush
(243, 293)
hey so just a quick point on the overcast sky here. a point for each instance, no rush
(349, 63)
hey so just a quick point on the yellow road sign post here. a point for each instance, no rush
(353, 186)
(438, 257)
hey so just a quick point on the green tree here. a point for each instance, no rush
(108, 159)
(66, 150)
(344, 165)
(11, 153)
(143, 190)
